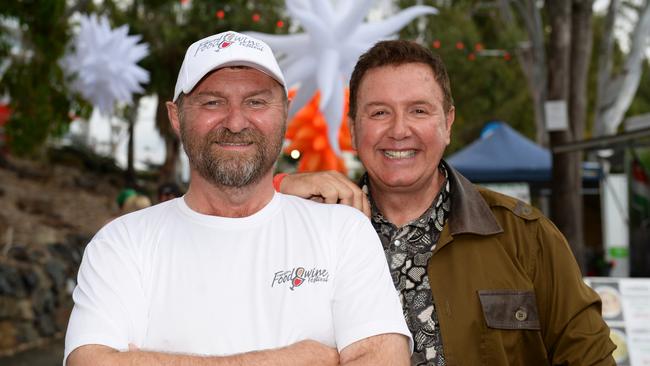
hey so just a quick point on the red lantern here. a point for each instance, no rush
(478, 47)
(5, 112)
(460, 45)
(471, 57)
(220, 14)
(436, 44)
(256, 17)
(279, 24)
(506, 56)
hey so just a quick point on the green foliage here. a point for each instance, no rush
(40, 104)
(485, 88)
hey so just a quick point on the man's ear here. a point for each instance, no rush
(449, 121)
(353, 135)
(172, 114)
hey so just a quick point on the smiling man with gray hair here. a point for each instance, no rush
(233, 273)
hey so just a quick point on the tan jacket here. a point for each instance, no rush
(507, 288)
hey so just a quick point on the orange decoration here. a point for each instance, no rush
(460, 45)
(471, 57)
(307, 132)
(279, 24)
(436, 44)
(256, 17)
(506, 56)
(220, 14)
(479, 47)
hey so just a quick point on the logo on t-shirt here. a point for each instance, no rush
(294, 278)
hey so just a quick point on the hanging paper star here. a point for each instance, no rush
(323, 57)
(103, 63)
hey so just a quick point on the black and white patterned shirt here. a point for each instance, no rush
(408, 249)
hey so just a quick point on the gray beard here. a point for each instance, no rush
(232, 170)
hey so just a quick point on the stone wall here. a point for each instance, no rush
(36, 284)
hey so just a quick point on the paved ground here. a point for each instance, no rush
(50, 355)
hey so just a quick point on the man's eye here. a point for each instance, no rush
(211, 102)
(420, 111)
(256, 102)
(378, 113)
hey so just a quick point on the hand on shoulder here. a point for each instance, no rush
(327, 187)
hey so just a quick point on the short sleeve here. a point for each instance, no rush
(366, 302)
(108, 298)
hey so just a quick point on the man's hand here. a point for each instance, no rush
(328, 187)
(303, 353)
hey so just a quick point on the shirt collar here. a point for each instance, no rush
(424, 220)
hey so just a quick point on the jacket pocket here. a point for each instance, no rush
(510, 309)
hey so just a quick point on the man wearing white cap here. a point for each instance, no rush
(233, 273)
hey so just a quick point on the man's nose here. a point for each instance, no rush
(399, 128)
(235, 120)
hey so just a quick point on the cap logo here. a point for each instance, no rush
(227, 39)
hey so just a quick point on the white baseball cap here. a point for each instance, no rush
(223, 50)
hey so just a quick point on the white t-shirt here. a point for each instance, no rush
(169, 279)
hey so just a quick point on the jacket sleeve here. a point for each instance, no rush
(573, 329)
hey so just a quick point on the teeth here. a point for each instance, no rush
(399, 154)
(234, 143)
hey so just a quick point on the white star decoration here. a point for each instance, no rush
(103, 61)
(323, 57)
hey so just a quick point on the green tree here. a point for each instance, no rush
(486, 80)
(41, 105)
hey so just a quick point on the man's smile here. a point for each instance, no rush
(399, 154)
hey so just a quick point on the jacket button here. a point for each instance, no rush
(521, 314)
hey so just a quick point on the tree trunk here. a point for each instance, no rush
(531, 57)
(581, 47)
(615, 93)
(132, 116)
(566, 199)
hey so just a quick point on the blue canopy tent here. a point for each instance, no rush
(502, 154)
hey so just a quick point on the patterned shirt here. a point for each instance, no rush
(408, 249)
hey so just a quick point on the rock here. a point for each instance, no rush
(10, 282)
(26, 332)
(43, 301)
(44, 235)
(30, 280)
(65, 252)
(61, 317)
(37, 254)
(8, 334)
(45, 325)
(25, 309)
(57, 272)
(9, 307)
(19, 252)
(5, 283)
